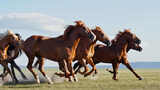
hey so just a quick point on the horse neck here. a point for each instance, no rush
(73, 42)
(121, 46)
(4, 43)
(88, 44)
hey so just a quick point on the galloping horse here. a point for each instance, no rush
(132, 45)
(85, 51)
(117, 52)
(5, 40)
(13, 52)
(60, 49)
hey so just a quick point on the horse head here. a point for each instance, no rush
(6, 39)
(101, 36)
(134, 46)
(79, 30)
(128, 37)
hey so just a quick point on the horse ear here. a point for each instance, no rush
(127, 30)
(9, 32)
(79, 23)
(98, 28)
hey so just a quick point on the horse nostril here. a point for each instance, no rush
(141, 49)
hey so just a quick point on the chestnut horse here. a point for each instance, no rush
(13, 52)
(56, 49)
(85, 51)
(5, 40)
(117, 52)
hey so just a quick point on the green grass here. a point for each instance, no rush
(103, 81)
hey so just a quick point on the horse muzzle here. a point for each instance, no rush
(140, 49)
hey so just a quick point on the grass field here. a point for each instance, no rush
(102, 81)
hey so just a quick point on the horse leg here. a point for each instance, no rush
(110, 71)
(90, 61)
(115, 69)
(79, 67)
(76, 65)
(14, 75)
(69, 63)
(18, 68)
(126, 63)
(36, 63)
(63, 68)
(5, 65)
(2, 75)
(82, 63)
(30, 68)
(41, 69)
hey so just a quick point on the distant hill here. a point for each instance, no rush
(142, 65)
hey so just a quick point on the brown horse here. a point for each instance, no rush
(117, 52)
(12, 53)
(60, 49)
(5, 40)
(85, 51)
(132, 45)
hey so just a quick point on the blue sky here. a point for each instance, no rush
(49, 17)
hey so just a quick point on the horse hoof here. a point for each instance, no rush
(115, 79)
(76, 80)
(50, 82)
(140, 78)
(85, 75)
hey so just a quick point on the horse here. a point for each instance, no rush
(85, 51)
(117, 52)
(132, 45)
(13, 52)
(6, 39)
(58, 49)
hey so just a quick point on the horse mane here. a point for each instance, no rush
(120, 34)
(67, 32)
(69, 29)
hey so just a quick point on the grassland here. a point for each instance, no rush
(102, 81)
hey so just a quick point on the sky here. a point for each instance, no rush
(50, 17)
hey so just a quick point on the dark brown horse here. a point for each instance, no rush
(117, 52)
(12, 53)
(85, 50)
(133, 46)
(5, 40)
(60, 49)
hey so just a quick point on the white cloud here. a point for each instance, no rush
(32, 21)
